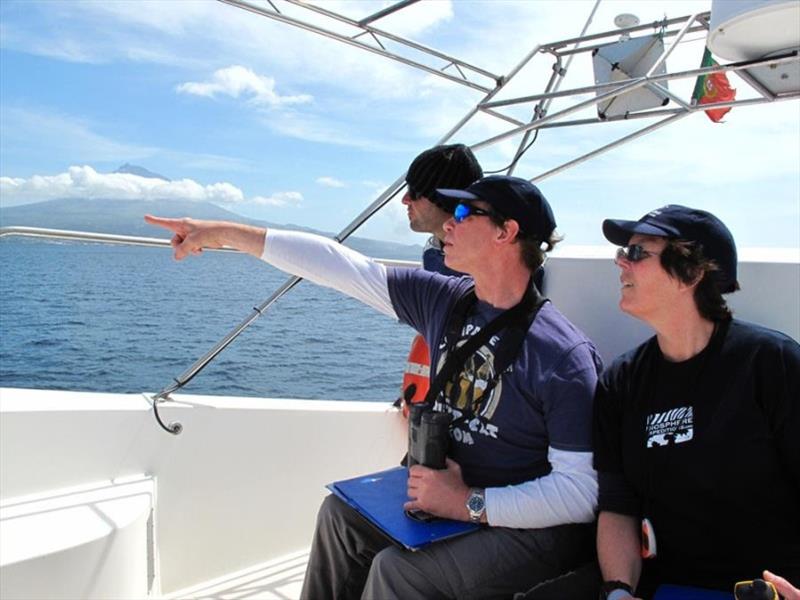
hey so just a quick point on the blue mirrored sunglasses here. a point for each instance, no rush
(634, 253)
(463, 211)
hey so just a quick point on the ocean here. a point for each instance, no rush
(98, 318)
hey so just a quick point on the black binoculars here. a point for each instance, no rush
(428, 436)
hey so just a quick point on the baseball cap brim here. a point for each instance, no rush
(457, 195)
(619, 232)
(447, 199)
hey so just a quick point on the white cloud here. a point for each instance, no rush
(331, 182)
(238, 81)
(85, 182)
(280, 199)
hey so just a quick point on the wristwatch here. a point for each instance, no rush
(608, 589)
(476, 504)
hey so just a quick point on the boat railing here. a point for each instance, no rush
(132, 240)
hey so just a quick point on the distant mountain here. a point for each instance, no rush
(125, 217)
(140, 171)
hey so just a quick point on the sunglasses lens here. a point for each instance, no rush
(461, 212)
(633, 253)
(624, 253)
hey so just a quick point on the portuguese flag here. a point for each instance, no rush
(713, 88)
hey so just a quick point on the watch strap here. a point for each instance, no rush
(614, 590)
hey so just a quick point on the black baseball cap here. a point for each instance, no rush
(448, 166)
(512, 198)
(691, 224)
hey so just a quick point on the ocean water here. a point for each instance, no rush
(128, 319)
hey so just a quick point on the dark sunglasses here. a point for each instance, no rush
(463, 211)
(634, 253)
(414, 194)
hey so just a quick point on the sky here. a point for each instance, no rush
(276, 123)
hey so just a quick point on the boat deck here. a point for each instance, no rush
(279, 579)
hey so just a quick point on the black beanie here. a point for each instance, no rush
(453, 166)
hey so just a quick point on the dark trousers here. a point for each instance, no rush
(351, 559)
(581, 583)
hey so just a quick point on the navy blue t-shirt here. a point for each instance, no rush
(543, 399)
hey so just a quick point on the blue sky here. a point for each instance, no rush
(277, 123)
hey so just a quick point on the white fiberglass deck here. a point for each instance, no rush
(278, 579)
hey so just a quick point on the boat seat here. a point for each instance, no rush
(93, 541)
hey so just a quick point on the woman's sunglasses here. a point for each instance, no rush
(634, 253)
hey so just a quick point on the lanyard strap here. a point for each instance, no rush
(517, 319)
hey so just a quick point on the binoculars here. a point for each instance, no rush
(428, 436)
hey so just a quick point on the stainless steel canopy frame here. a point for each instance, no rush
(366, 35)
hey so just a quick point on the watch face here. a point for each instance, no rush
(475, 503)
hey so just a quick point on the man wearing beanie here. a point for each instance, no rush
(514, 374)
(696, 437)
(454, 167)
(451, 166)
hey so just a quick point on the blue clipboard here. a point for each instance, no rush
(379, 497)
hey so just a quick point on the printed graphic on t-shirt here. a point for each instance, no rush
(669, 428)
(468, 393)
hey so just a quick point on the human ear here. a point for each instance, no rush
(508, 231)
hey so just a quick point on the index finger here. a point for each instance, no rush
(175, 225)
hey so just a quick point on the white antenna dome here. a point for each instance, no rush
(752, 29)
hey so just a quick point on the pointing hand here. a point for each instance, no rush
(190, 235)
